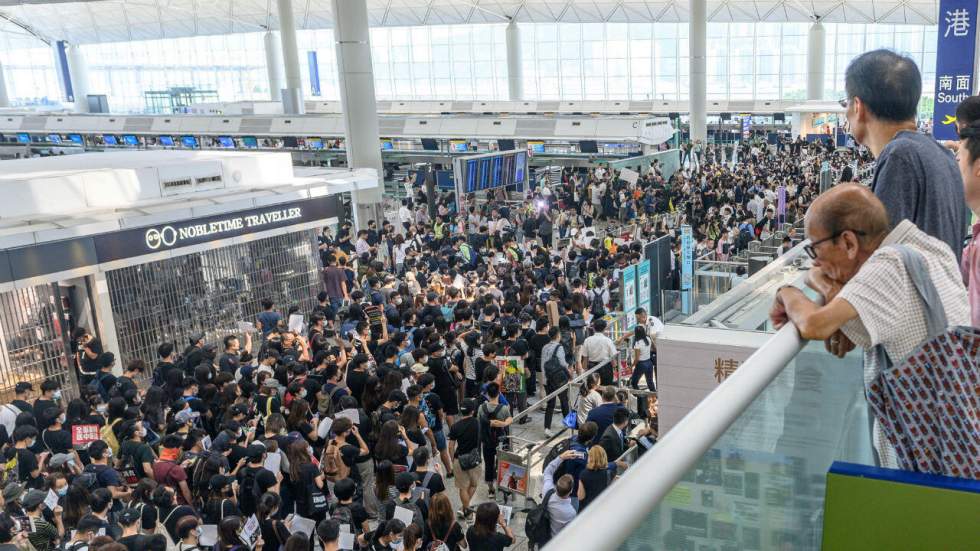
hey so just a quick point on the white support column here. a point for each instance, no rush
(292, 95)
(4, 98)
(79, 78)
(515, 63)
(273, 65)
(355, 77)
(698, 62)
(815, 53)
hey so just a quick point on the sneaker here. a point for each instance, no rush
(469, 514)
(549, 433)
(461, 514)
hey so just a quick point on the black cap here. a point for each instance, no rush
(468, 406)
(219, 481)
(239, 409)
(254, 452)
(128, 516)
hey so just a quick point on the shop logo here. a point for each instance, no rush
(165, 236)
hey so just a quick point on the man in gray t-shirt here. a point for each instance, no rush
(918, 180)
(915, 177)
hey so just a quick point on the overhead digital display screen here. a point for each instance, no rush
(226, 142)
(54, 138)
(189, 141)
(492, 171)
(250, 141)
(314, 143)
(110, 140)
(166, 141)
(130, 140)
(24, 138)
(76, 138)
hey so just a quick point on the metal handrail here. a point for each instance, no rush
(626, 504)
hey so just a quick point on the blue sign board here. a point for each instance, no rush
(955, 55)
(687, 267)
(314, 73)
(628, 286)
(643, 286)
(61, 56)
(746, 126)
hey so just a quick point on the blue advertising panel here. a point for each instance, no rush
(314, 73)
(643, 286)
(628, 286)
(955, 55)
(746, 126)
(687, 267)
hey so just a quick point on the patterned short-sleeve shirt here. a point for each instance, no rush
(889, 309)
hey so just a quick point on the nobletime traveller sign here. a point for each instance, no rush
(955, 57)
(184, 233)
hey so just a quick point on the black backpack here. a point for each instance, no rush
(537, 526)
(488, 434)
(246, 495)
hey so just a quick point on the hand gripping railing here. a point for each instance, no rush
(620, 509)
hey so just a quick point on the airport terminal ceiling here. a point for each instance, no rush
(113, 21)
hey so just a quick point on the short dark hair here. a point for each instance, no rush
(889, 83)
(165, 350)
(620, 416)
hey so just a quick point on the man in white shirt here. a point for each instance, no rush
(560, 506)
(597, 349)
(361, 245)
(405, 215)
(870, 297)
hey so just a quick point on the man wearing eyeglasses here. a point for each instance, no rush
(869, 298)
(915, 177)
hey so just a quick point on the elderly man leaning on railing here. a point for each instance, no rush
(871, 279)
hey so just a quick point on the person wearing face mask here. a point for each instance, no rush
(50, 395)
(189, 535)
(28, 464)
(54, 437)
(135, 455)
(447, 377)
(106, 477)
(387, 536)
(43, 535)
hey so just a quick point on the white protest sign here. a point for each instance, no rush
(629, 175)
(404, 514)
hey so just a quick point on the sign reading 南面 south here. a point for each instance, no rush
(184, 233)
(171, 236)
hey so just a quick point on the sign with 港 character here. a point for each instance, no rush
(955, 57)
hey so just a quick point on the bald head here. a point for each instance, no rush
(849, 207)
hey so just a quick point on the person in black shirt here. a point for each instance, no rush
(223, 502)
(28, 464)
(464, 437)
(105, 377)
(193, 354)
(87, 355)
(54, 437)
(228, 362)
(127, 383)
(50, 395)
(21, 393)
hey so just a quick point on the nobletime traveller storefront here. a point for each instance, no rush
(138, 287)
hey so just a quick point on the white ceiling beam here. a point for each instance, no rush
(663, 11)
(718, 9)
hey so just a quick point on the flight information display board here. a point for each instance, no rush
(490, 171)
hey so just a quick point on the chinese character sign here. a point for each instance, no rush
(687, 266)
(724, 368)
(83, 435)
(955, 54)
(746, 126)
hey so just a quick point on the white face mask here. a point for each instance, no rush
(57, 395)
(62, 418)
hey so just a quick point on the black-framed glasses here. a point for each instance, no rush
(844, 102)
(811, 249)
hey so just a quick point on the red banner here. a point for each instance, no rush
(82, 435)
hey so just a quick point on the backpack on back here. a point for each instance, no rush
(488, 434)
(537, 526)
(108, 436)
(411, 505)
(332, 463)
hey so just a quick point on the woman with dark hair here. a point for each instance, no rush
(168, 511)
(410, 421)
(642, 359)
(153, 410)
(387, 536)
(299, 419)
(140, 500)
(228, 539)
(393, 445)
(75, 503)
(306, 481)
(483, 535)
(372, 397)
(273, 531)
(384, 481)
